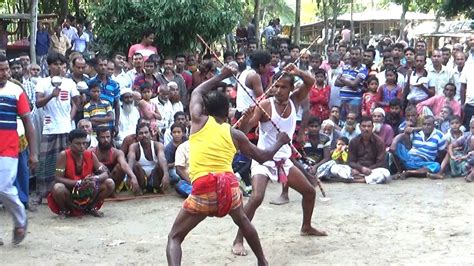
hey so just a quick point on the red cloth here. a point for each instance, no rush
(282, 178)
(319, 100)
(87, 165)
(222, 183)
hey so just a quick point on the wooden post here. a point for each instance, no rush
(297, 22)
(34, 29)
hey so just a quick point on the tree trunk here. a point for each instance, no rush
(326, 24)
(34, 29)
(228, 42)
(76, 5)
(63, 10)
(403, 20)
(334, 20)
(438, 20)
(256, 17)
(352, 24)
(297, 22)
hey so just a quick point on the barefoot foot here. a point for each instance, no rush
(312, 232)
(239, 250)
(281, 200)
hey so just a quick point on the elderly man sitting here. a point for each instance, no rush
(427, 145)
(367, 155)
(384, 131)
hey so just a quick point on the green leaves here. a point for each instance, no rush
(120, 23)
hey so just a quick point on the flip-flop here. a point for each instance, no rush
(19, 234)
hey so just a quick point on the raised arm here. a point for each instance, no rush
(301, 93)
(196, 104)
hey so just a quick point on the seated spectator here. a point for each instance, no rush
(411, 118)
(147, 160)
(129, 116)
(98, 111)
(82, 182)
(319, 96)
(177, 131)
(381, 129)
(389, 90)
(351, 127)
(395, 116)
(433, 105)
(337, 167)
(335, 117)
(461, 152)
(164, 107)
(328, 128)
(428, 144)
(179, 118)
(442, 120)
(317, 145)
(181, 164)
(455, 132)
(115, 161)
(86, 125)
(369, 99)
(148, 109)
(367, 156)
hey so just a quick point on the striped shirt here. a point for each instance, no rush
(348, 72)
(109, 91)
(99, 110)
(427, 148)
(13, 103)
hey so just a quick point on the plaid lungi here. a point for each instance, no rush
(214, 195)
(50, 147)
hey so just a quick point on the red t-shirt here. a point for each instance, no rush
(13, 103)
(318, 101)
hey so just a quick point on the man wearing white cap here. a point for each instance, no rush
(129, 116)
(384, 131)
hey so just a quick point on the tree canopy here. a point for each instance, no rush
(120, 23)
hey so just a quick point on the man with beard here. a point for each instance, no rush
(180, 60)
(368, 60)
(175, 98)
(147, 160)
(115, 161)
(304, 60)
(119, 74)
(367, 156)
(129, 116)
(351, 128)
(394, 118)
(164, 107)
(204, 70)
(384, 131)
(251, 81)
(169, 75)
(240, 59)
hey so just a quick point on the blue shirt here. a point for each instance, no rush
(109, 91)
(42, 43)
(348, 72)
(428, 147)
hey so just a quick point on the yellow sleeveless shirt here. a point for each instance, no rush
(211, 150)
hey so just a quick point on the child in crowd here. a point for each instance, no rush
(98, 111)
(455, 132)
(148, 109)
(443, 120)
(319, 95)
(390, 90)
(369, 98)
(395, 117)
(177, 131)
(335, 116)
(461, 153)
(337, 167)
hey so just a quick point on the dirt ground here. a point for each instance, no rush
(406, 222)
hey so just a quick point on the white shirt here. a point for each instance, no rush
(400, 79)
(70, 33)
(457, 82)
(127, 123)
(57, 112)
(124, 80)
(177, 107)
(243, 100)
(133, 74)
(467, 78)
(80, 43)
(166, 111)
(439, 79)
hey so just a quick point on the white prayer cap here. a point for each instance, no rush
(379, 110)
(125, 90)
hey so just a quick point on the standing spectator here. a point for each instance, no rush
(319, 96)
(145, 47)
(119, 74)
(81, 42)
(109, 89)
(42, 47)
(438, 74)
(459, 61)
(390, 90)
(88, 31)
(138, 66)
(388, 63)
(98, 111)
(180, 60)
(60, 43)
(148, 77)
(369, 99)
(169, 75)
(13, 100)
(467, 90)
(351, 83)
(251, 31)
(68, 28)
(58, 104)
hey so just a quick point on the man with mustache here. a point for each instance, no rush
(129, 116)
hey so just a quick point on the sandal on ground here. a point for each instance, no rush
(19, 234)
